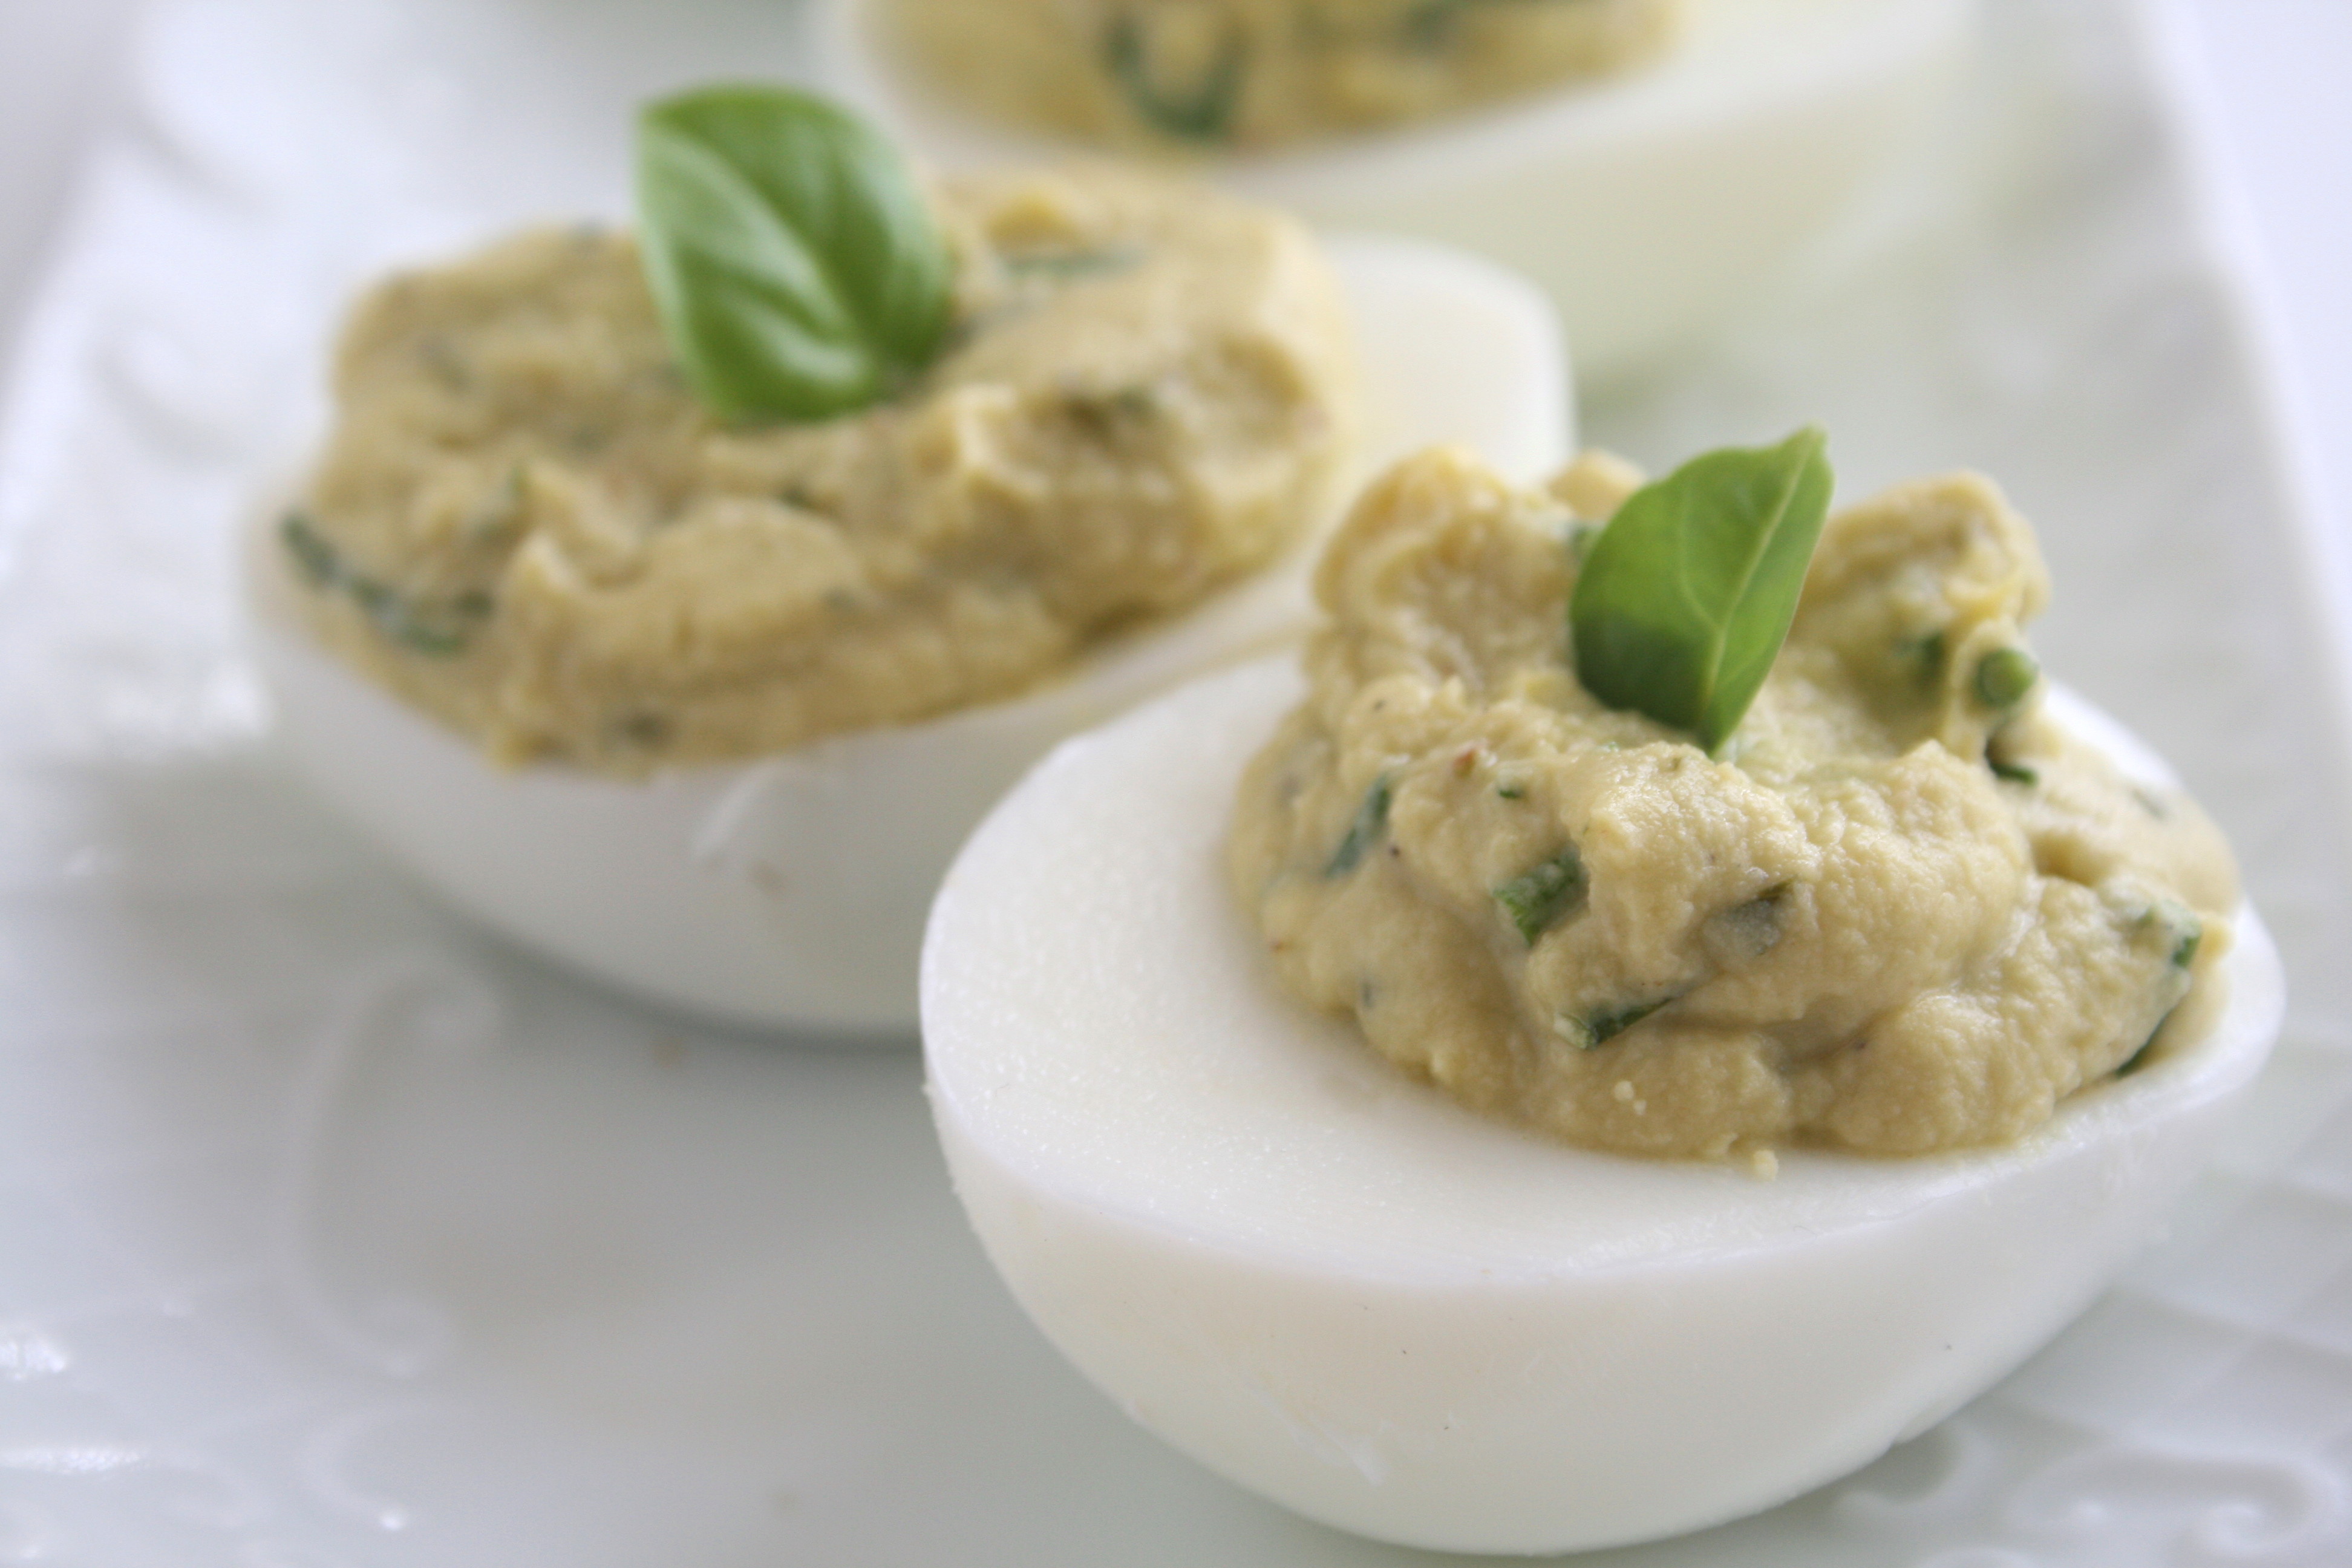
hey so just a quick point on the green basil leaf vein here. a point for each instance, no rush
(1686, 598)
(795, 265)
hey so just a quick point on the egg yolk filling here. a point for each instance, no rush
(1899, 911)
(525, 524)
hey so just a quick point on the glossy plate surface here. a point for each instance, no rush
(331, 1233)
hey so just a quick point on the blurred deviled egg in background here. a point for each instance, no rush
(675, 600)
(1650, 163)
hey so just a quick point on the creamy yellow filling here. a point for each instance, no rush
(1901, 911)
(1244, 74)
(525, 524)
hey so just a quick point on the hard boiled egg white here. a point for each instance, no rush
(1651, 206)
(789, 892)
(1332, 1284)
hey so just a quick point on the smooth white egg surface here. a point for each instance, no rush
(1649, 205)
(789, 892)
(1334, 1286)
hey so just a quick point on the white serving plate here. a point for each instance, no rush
(331, 1233)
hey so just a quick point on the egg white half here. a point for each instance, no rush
(788, 893)
(1334, 1286)
(1649, 205)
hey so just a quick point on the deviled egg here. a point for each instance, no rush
(1690, 160)
(1441, 1306)
(1249, 75)
(703, 707)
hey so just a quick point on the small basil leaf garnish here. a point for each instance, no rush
(795, 265)
(1686, 598)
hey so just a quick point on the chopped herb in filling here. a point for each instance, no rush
(1372, 821)
(1204, 111)
(1901, 915)
(1068, 265)
(437, 630)
(1604, 1025)
(1541, 898)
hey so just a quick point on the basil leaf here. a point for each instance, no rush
(795, 265)
(1686, 598)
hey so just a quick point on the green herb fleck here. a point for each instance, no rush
(2138, 1058)
(645, 730)
(448, 366)
(1539, 899)
(2184, 947)
(2182, 933)
(1101, 414)
(2013, 772)
(500, 522)
(795, 264)
(1372, 821)
(418, 626)
(1065, 266)
(2175, 924)
(1604, 1025)
(420, 637)
(1511, 789)
(1610, 1023)
(2004, 675)
(1748, 930)
(317, 560)
(1206, 113)
(1430, 25)
(1924, 654)
(1688, 594)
